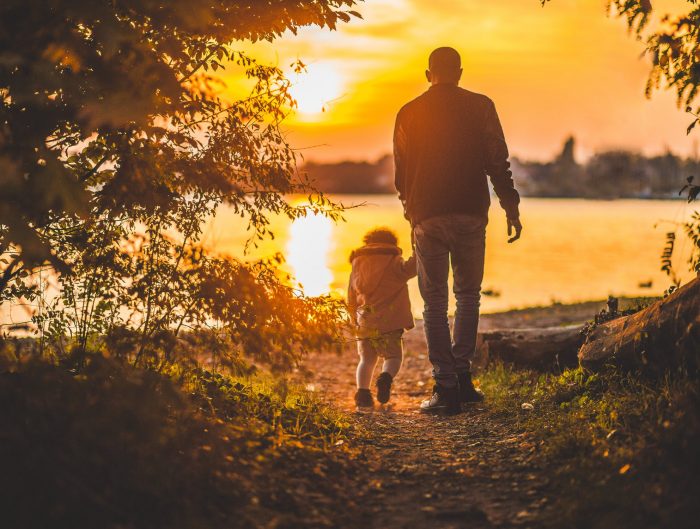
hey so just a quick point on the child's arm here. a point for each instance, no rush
(408, 267)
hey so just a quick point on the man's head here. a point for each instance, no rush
(444, 66)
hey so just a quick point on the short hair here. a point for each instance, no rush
(444, 61)
(381, 235)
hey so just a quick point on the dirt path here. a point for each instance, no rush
(474, 470)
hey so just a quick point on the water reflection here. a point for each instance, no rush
(308, 252)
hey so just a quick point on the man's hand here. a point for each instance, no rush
(514, 224)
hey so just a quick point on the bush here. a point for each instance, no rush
(113, 446)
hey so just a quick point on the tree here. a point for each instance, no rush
(114, 127)
(617, 173)
(109, 106)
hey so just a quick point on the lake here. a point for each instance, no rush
(571, 250)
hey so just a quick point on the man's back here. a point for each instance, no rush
(445, 142)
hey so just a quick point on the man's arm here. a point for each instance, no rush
(498, 168)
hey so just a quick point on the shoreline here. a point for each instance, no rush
(553, 315)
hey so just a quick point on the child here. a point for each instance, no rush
(380, 309)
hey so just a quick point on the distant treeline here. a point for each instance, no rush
(353, 177)
(607, 174)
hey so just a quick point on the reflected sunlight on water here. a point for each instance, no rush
(308, 250)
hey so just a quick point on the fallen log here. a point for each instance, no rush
(664, 335)
(534, 347)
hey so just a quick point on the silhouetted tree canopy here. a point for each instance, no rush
(118, 139)
(108, 106)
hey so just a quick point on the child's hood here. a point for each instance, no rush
(370, 263)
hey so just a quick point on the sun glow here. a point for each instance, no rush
(308, 248)
(315, 88)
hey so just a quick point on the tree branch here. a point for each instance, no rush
(9, 273)
(97, 166)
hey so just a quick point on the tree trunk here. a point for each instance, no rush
(664, 335)
(537, 347)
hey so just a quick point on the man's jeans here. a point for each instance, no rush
(461, 238)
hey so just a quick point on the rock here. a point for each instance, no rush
(664, 335)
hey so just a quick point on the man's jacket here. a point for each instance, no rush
(446, 141)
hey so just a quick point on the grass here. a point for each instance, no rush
(112, 446)
(291, 414)
(622, 450)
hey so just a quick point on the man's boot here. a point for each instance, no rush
(444, 400)
(467, 392)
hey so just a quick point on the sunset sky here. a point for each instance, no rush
(563, 69)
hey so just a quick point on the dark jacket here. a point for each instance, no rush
(445, 143)
(378, 299)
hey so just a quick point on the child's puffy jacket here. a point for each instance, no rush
(377, 294)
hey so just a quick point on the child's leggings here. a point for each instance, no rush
(387, 345)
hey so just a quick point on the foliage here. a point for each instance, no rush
(113, 446)
(692, 230)
(621, 448)
(154, 298)
(118, 141)
(114, 106)
(614, 311)
(293, 415)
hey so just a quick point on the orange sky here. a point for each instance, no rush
(563, 69)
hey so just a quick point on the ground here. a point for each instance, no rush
(478, 469)
(567, 449)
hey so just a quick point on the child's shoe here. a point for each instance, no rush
(363, 399)
(384, 381)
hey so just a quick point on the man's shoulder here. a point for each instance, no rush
(408, 107)
(475, 97)
(469, 97)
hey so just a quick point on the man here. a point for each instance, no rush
(446, 142)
